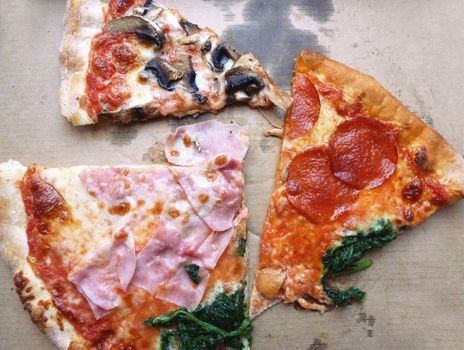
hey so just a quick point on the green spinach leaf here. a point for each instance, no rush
(347, 258)
(192, 270)
(224, 321)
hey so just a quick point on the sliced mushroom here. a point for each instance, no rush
(165, 73)
(220, 55)
(206, 47)
(242, 84)
(189, 28)
(139, 26)
(190, 79)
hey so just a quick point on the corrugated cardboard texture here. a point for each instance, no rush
(416, 286)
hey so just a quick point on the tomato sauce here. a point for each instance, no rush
(335, 96)
(370, 157)
(112, 55)
(117, 8)
(122, 328)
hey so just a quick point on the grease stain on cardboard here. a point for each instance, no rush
(284, 40)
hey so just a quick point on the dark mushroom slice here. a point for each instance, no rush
(190, 80)
(189, 28)
(206, 47)
(140, 27)
(240, 79)
(165, 73)
(220, 55)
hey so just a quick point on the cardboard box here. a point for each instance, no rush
(415, 288)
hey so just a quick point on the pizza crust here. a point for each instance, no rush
(442, 159)
(33, 294)
(83, 19)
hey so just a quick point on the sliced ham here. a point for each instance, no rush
(185, 212)
(181, 290)
(214, 197)
(213, 247)
(202, 143)
(106, 274)
(179, 234)
(115, 184)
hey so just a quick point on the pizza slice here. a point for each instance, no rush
(96, 251)
(134, 60)
(356, 168)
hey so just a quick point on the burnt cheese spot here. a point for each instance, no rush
(203, 198)
(157, 208)
(187, 140)
(120, 209)
(220, 160)
(211, 176)
(173, 213)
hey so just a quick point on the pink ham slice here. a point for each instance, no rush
(106, 274)
(114, 184)
(213, 247)
(181, 290)
(214, 197)
(203, 142)
(179, 234)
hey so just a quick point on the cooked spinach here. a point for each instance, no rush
(192, 270)
(225, 321)
(346, 258)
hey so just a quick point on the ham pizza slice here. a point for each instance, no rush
(98, 250)
(356, 169)
(134, 60)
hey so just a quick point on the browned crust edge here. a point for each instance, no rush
(443, 160)
(32, 292)
(13, 247)
(82, 20)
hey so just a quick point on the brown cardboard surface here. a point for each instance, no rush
(416, 286)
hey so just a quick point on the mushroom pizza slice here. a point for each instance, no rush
(135, 60)
(356, 168)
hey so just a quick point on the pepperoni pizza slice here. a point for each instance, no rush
(99, 252)
(134, 60)
(356, 168)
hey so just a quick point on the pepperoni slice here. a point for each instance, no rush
(363, 152)
(305, 108)
(313, 189)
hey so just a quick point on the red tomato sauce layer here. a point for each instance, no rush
(112, 55)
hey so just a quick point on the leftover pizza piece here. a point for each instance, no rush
(356, 168)
(132, 60)
(97, 250)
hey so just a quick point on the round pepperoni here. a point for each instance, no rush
(363, 152)
(313, 189)
(305, 107)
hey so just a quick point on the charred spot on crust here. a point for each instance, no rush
(20, 282)
(37, 314)
(243, 80)
(138, 113)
